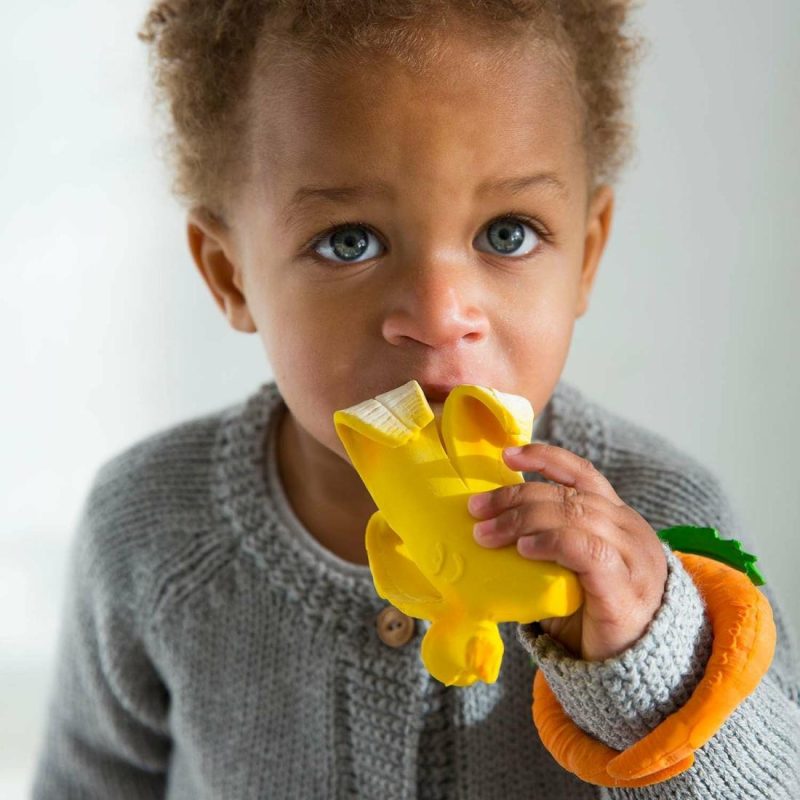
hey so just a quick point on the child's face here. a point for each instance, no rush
(430, 293)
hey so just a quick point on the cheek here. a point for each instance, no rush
(314, 352)
(309, 353)
(542, 318)
(298, 324)
(311, 375)
(540, 342)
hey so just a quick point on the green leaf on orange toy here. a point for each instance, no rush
(707, 542)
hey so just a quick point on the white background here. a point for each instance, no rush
(108, 333)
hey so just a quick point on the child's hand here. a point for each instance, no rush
(583, 525)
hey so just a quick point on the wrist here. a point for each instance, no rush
(743, 645)
(621, 699)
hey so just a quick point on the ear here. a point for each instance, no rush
(212, 247)
(598, 227)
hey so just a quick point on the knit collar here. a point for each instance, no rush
(250, 498)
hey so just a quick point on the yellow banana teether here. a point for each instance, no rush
(420, 471)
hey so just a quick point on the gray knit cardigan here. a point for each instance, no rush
(210, 647)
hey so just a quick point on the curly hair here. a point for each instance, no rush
(204, 52)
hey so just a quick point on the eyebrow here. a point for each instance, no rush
(306, 195)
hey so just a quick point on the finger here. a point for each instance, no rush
(563, 466)
(483, 505)
(532, 518)
(595, 559)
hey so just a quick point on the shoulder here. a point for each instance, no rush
(168, 466)
(664, 483)
(148, 521)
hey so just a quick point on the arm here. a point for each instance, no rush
(106, 732)
(618, 701)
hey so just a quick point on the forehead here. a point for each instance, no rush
(472, 112)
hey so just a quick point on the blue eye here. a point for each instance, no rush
(507, 235)
(349, 241)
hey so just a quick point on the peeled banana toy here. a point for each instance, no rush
(420, 469)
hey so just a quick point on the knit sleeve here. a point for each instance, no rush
(755, 754)
(106, 732)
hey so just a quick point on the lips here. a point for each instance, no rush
(437, 392)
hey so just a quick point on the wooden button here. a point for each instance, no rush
(394, 627)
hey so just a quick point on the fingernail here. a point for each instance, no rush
(513, 451)
(477, 503)
(482, 530)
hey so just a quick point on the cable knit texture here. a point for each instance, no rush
(211, 647)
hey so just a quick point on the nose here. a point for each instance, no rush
(437, 304)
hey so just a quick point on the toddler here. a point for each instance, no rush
(387, 191)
